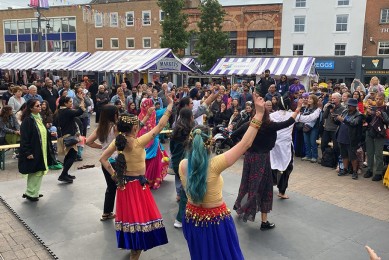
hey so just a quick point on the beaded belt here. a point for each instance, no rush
(141, 178)
(201, 216)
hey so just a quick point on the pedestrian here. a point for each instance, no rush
(16, 101)
(106, 132)
(66, 125)
(36, 152)
(208, 225)
(139, 224)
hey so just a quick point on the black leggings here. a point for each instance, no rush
(110, 192)
(70, 158)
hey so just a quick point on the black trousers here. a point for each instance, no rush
(282, 178)
(70, 158)
(327, 137)
(110, 192)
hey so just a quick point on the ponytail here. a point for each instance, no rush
(120, 165)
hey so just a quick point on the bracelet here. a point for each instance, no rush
(255, 123)
(113, 175)
(167, 113)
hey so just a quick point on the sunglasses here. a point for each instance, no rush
(37, 105)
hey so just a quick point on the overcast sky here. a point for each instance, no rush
(4, 4)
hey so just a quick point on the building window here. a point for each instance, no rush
(98, 20)
(383, 48)
(298, 49)
(340, 49)
(99, 43)
(343, 2)
(130, 43)
(384, 16)
(146, 18)
(299, 24)
(341, 23)
(260, 42)
(161, 16)
(301, 3)
(113, 19)
(130, 18)
(233, 43)
(190, 50)
(146, 42)
(114, 43)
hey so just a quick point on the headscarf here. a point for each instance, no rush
(151, 122)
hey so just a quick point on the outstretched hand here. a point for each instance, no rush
(300, 103)
(373, 255)
(170, 96)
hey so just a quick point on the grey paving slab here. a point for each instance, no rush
(67, 220)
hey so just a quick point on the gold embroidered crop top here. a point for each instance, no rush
(135, 157)
(214, 179)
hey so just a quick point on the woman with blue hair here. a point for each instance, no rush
(207, 225)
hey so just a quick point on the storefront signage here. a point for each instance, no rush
(385, 30)
(377, 72)
(168, 64)
(325, 64)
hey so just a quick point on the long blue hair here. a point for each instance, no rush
(198, 156)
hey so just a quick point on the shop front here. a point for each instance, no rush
(375, 66)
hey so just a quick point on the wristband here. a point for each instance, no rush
(255, 123)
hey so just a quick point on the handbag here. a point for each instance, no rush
(70, 140)
(307, 128)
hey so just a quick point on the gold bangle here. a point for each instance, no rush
(168, 113)
(255, 123)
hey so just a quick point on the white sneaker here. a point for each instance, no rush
(88, 127)
(177, 224)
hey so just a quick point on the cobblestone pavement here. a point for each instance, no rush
(363, 196)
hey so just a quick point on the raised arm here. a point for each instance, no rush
(90, 141)
(234, 153)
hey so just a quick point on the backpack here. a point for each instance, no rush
(328, 158)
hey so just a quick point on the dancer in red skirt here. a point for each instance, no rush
(208, 225)
(139, 224)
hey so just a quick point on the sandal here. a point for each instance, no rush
(105, 217)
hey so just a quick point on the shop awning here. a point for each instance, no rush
(290, 66)
(132, 60)
(29, 60)
(7, 58)
(62, 60)
(190, 62)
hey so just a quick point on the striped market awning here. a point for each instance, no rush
(290, 66)
(62, 60)
(29, 60)
(7, 58)
(132, 60)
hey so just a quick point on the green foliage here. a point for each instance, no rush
(212, 41)
(174, 34)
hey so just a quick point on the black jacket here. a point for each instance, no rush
(50, 96)
(354, 123)
(30, 143)
(65, 121)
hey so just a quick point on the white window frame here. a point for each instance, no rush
(385, 48)
(160, 15)
(143, 20)
(340, 44)
(133, 18)
(294, 27)
(102, 43)
(300, 2)
(101, 20)
(143, 42)
(117, 39)
(347, 24)
(349, 3)
(386, 10)
(111, 15)
(127, 43)
(293, 50)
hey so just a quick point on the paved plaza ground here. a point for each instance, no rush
(327, 217)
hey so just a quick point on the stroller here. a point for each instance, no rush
(222, 140)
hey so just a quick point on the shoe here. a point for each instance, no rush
(79, 159)
(305, 159)
(65, 179)
(88, 127)
(30, 198)
(313, 160)
(177, 224)
(343, 173)
(368, 174)
(377, 177)
(267, 225)
(355, 176)
(105, 217)
(71, 176)
(364, 164)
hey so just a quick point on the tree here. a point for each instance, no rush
(174, 24)
(212, 41)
